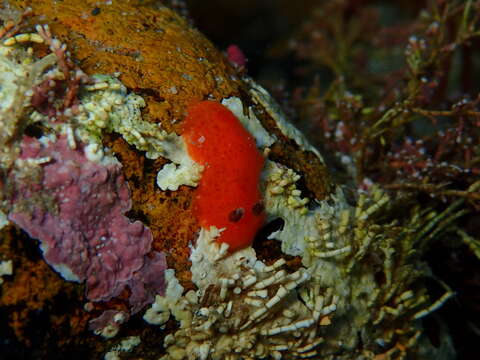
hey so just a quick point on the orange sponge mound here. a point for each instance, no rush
(228, 194)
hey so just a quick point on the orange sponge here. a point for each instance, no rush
(228, 195)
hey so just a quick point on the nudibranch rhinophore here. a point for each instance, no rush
(228, 194)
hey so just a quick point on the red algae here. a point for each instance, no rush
(228, 194)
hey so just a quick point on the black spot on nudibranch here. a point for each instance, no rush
(96, 11)
(236, 215)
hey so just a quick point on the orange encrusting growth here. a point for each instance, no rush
(228, 194)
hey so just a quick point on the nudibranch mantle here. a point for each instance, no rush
(228, 195)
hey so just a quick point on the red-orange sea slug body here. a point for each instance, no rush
(228, 194)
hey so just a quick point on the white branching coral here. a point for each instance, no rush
(110, 108)
(160, 311)
(105, 105)
(245, 309)
(126, 345)
(249, 121)
(19, 73)
(262, 98)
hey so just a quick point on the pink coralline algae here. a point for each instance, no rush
(76, 209)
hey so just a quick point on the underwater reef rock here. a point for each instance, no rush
(94, 167)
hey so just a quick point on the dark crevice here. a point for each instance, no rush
(134, 215)
(34, 130)
(268, 229)
(265, 248)
(149, 92)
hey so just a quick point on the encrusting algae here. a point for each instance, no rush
(98, 167)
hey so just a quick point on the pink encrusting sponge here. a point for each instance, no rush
(228, 194)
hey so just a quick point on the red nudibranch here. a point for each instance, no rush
(228, 194)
